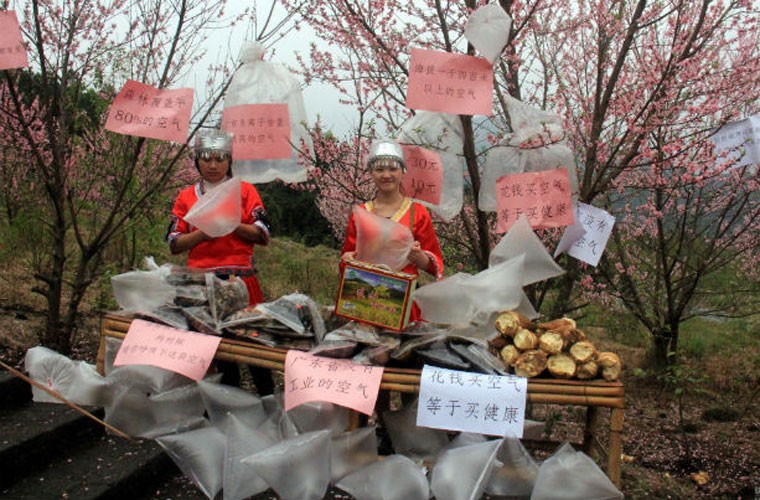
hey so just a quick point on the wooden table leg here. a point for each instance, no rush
(593, 419)
(615, 447)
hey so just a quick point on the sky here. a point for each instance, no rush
(319, 99)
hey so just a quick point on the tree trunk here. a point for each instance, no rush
(665, 343)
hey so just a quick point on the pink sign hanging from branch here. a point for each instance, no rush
(261, 131)
(543, 197)
(12, 49)
(339, 381)
(450, 83)
(146, 111)
(187, 353)
(423, 179)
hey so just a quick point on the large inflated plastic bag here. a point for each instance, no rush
(442, 133)
(77, 381)
(536, 145)
(514, 472)
(352, 450)
(143, 290)
(150, 379)
(200, 456)
(297, 468)
(262, 82)
(410, 440)
(319, 415)
(381, 241)
(521, 240)
(487, 29)
(222, 400)
(461, 473)
(218, 212)
(394, 478)
(240, 479)
(572, 475)
(443, 301)
(129, 410)
(178, 410)
(112, 348)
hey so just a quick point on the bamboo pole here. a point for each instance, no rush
(68, 403)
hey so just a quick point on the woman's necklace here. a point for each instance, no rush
(387, 208)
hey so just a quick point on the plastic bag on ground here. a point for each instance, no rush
(222, 400)
(394, 478)
(150, 379)
(572, 475)
(461, 473)
(514, 472)
(319, 415)
(240, 479)
(297, 468)
(352, 450)
(409, 439)
(200, 456)
(381, 241)
(442, 133)
(217, 212)
(76, 381)
(178, 410)
(130, 411)
(262, 82)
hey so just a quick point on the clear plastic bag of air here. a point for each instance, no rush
(572, 475)
(77, 381)
(381, 241)
(395, 478)
(218, 212)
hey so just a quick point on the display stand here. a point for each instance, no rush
(594, 395)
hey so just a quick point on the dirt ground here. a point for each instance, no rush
(714, 454)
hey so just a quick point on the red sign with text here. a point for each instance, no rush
(12, 49)
(146, 111)
(423, 179)
(187, 353)
(450, 83)
(261, 131)
(338, 381)
(543, 197)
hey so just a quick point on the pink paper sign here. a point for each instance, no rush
(339, 381)
(146, 111)
(543, 197)
(187, 353)
(423, 179)
(450, 83)
(261, 131)
(12, 49)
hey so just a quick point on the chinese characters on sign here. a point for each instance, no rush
(187, 353)
(12, 49)
(543, 197)
(339, 381)
(261, 131)
(424, 174)
(146, 111)
(450, 83)
(741, 140)
(587, 242)
(472, 402)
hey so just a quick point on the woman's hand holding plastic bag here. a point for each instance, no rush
(218, 212)
(381, 241)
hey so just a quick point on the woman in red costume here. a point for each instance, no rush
(387, 168)
(229, 255)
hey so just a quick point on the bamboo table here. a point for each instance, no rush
(594, 395)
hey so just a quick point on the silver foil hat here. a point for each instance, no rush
(385, 149)
(213, 140)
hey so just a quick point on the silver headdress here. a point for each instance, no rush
(213, 140)
(385, 149)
